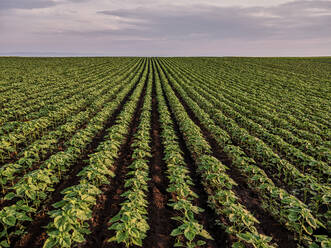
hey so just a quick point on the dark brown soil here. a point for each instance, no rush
(268, 225)
(36, 234)
(208, 217)
(160, 214)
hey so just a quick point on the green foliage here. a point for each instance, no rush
(268, 118)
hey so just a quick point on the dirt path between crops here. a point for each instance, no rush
(159, 213)
(36, 234)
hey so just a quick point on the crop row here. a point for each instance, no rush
(35, 186)
(218, 185)
(285, 207)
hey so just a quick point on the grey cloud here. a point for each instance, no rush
(24, 4)
(200, 21)
(32, 4)
(78, 1)
(291, 21)
(298, 28)
(299, 20)
(294, 6)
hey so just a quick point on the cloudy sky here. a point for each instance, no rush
(166, 28)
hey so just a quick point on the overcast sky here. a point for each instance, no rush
(166, 28)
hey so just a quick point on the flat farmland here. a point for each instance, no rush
(165, 152)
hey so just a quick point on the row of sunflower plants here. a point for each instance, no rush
(296, 114)
(40, 149)
(287, 209)
(218, 185)
(34, 188)
(305, 187)
(292, 154)
(44, 86)
(29, 131)
(309, 143)
(230, 79)
(304, 162)
(314, 105)
(273, 123)
(189, 232)
(77, 204)
(19, 109)
(39, 106)
(130, 223)
(15, 103)
(305, 96)
(52, 111)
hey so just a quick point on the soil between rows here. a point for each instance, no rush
(160, 213)
(36, 234)
(268, 225)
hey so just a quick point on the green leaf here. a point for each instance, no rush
(117, 217)
(244, 236)
(65, 241)
(176, 232)
(112, 239)
(116, 226)
(59, 204)
(65, 227)
(311, 221)
(4, 243)
(121, 236)
(76, 236)
(10, 196)
(201, 242)
(205, 234)
(326, 244)
(238, 245)
(9, 220)
(59, 221)
(308, 229)
(49, 243)
(137, 242)
(189, 234)
(178, 244)
(23, 217)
